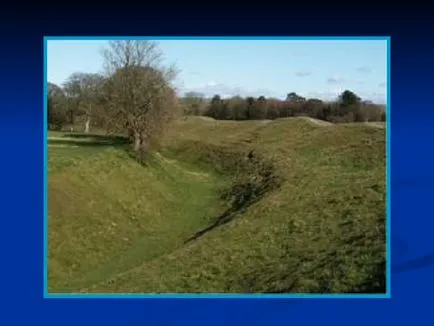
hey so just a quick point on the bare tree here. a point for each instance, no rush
(138, 97)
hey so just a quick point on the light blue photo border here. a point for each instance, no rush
(387, 295)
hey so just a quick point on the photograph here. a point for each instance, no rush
(216, 166)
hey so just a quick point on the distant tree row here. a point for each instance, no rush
(134, 96)
(347, 108)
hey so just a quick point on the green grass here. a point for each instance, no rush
(108, 214)
(305, 213)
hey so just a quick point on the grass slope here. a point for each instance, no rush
(108, 214)
(282, 206)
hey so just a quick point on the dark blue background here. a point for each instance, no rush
(412, 176)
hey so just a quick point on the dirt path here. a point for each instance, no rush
(380, 125)
(318, 122)
(60, 145)
(84, 139)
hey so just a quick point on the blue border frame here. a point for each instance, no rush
(387, 295)
(45, 181)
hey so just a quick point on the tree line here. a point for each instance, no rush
(348, 107)
(134, 95)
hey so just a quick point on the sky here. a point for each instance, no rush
(273, 68)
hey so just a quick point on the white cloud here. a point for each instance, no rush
(212, 88)
(194, 73)
(325, 96)
(363, 69)
(211, 84)
(335, 80)
(303, 73)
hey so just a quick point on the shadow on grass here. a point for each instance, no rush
(99, 137)
(89, 140)
(242, 196)
(375, 283)
(98, 141)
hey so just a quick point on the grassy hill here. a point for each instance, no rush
(283, 206)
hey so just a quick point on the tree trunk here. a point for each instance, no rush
(137, 142)
(140, 146)
(87, 126)
(131, 136)
(71, 119)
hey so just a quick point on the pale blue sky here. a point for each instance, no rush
(272, 68)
